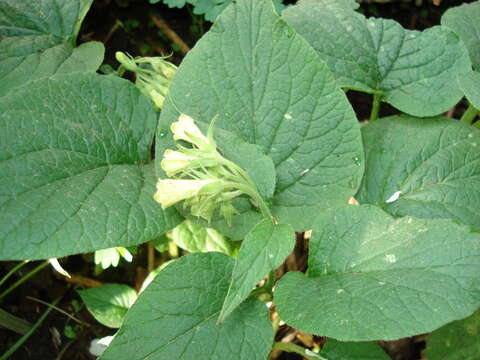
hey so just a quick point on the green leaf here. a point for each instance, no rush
(56, 60)
(31, 26)
(434, 164)
(74, 176)
(197, 238)
(268, 86)
(175, 317)
(470, 85)
(264, 249)
(371, 276)
(413, 71)
(456, 341)
(336, 350)
(210, 8)
(37, 39)
(109, 303)
(463, 20)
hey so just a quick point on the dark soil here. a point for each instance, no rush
(126, 25)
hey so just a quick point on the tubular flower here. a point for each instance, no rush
(170, 191)
(186, 130)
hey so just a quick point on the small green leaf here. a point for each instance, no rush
(456, 341)
(268, 86)
(371, 276)
(463, 20)
(337, 350)
(423, 168)
(413, 71)
(470, 85)
(109, 303)
(74, 175)
(197, 238)
(264, 249)
(175, 317)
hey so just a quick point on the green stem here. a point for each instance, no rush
(377, 99)
(291, 347)
(23, 279)
(477, 125)
(252, 192)
(7, 354)
(14, 323)
(469, 115)
(11, 272)
(59, 310)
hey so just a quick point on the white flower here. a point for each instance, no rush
(185, 129)
(175, 161)
(169, 192)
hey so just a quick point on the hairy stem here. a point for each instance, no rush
(23, 279)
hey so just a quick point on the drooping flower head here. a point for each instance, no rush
(204, 179)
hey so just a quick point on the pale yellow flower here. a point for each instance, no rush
(169, 191)
(175, 161)
(185, 129)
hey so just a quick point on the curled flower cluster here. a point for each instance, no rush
(201, 177)
(153, 75)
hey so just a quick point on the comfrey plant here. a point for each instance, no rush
(284, 155)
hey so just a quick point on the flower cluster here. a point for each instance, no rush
(153, 75)
(201, 177)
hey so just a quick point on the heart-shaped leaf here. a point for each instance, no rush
(423, 168)
(268, 86)
(414, 71)
(74, 176)
(371, 276)
(175, 317)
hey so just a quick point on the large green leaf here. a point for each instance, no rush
(109, 303)
(423, 168)
(337, 350)
(73, 175)
(264, 249)
(27, 27)
(175, 317)
(463, 20)
(371, 276)
(456, 341)
(37, 40)
(56, 60)
(414, 71)
(269, 87)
